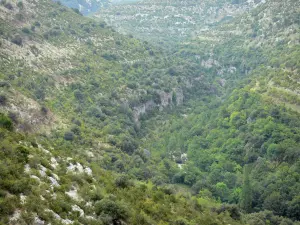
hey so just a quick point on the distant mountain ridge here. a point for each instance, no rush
(166, 22)
(90, 6)
(86, 6)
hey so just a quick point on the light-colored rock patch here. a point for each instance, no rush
(76, 208)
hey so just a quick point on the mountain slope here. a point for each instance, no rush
(168, 22)
(72, 94)
(250, 129)
(101, 128)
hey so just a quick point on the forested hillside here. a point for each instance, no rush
(196, 125)
(242, 145)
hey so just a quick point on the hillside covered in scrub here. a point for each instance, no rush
(169, 22)
(195, 122)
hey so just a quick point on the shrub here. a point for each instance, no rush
(95, 112)
(4, 84)
(77, 122)
(22, 154)
(116, 210)
(17, 40)
(132, 85)
(20, 17)
(123, 181)
(109, 57)
(3, 100)
(40, 94)
(13, 116)
(128, 146)
(231, 209)
(181, 222)
(96, 195)
(172, 71)
(37, 24)
(5, 122)
(76, 130)
(8, 6)
(78, 95)
(20, 5)
(8, 205)
(44, 110)
(293, 210)
(77, 11)
(69, 136)
(102, 24)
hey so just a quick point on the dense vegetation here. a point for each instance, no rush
(100, 128)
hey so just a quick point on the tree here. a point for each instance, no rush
(69, 136)
(222, 191)
(123, 181)
(3, 100)
(275, 203)
(17, 40)
(114, 209)
(246, 195)
(293, 210)
(128, 145)
(78, 95)
(20, 5)
(5, 122)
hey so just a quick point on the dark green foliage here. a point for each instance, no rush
(113, 209)
(123, 181)
(109, 57)
(8, 205)
(25, 30)
(13, 116)
(20, 17)
(5, 122)
(233, 211)
(102, 24)
(37, 24)
(44, 110)
(128, 145)
(40, 94)
(3, 99)
(69, 136)
(22, 154)
(8, 5)
(17, 40)
(95, 112)
(132, 85)
(20, 5)
(246, 195)
(14, 181)
(266, 217)
(293, 210)
(77, 11)
(78, 95)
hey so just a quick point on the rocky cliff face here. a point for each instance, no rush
(166, 99)
(142, 109)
